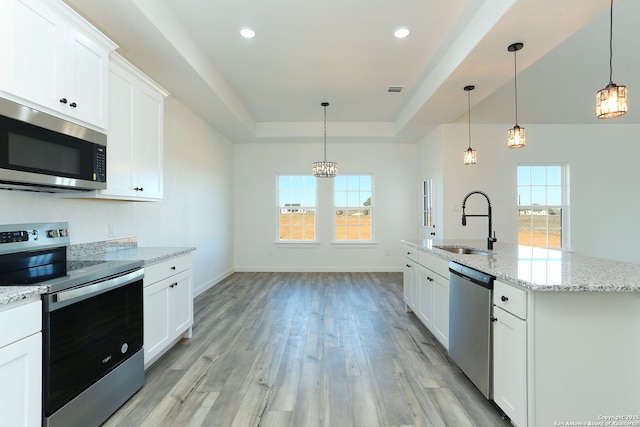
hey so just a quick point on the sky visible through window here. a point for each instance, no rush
(297, 190)
(352, 191)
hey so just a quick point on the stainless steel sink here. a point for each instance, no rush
(462, 250)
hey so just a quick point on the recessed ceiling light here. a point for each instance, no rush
(247, 33)
(401, 33)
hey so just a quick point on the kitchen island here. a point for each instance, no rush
(566, 330)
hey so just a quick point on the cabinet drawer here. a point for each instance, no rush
(510, 299)
(20, 321)
(164, 269)
(411, 253)
(434, 263)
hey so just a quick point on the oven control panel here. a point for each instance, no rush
(18, 236)
(33, 236)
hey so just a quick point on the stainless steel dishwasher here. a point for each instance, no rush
(470, 324)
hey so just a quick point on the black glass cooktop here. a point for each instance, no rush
(50, 267)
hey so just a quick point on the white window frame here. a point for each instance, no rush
(563, 206)
(303, 207)
(370, 208)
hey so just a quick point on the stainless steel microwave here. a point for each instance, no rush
(40, 152)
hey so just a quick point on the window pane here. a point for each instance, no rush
(554, 175)
(353, 199)
(538, 175)
(340, 183)
(524, 195)
(524, 175)
(554, 196)
(365, 183)
(341, 198)
(538, 196)
(365, 199)
(353, 182)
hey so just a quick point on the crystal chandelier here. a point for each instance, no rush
(470, 154)
(325, 169)
(612, 100)
(515, 136)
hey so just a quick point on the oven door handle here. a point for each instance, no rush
(100, 287)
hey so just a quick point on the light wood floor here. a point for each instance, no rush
(306, 349)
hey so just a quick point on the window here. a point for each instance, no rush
(296, 208)
(542, 206)
(427, 203)
(353, 205)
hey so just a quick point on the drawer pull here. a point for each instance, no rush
(504, 299)
(408, 266)
(494, 319)
(174, 285)
(173, 267)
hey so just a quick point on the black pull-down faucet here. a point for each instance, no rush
(491, 238)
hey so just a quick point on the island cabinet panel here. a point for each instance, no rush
(54, 61)
(585, 350)
(21, 365)
(168, 305)
(426, 291)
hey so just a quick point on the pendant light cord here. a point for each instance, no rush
(611, 44)
(515, 81)
(469, 105)
(325, 133)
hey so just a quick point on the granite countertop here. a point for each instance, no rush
(101, 251)
(541, 269)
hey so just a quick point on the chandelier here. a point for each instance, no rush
(325, 169)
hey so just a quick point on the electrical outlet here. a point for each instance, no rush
(112, 230)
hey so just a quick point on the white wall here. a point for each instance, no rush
(604, 177)
(196, 209)
(255, 169)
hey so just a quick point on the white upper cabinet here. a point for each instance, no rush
(54, 60)
(135, 137)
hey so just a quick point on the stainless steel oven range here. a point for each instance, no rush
(93, 360)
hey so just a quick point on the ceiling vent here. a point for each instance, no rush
(395, 89)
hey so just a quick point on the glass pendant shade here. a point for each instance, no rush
(470, 157)
(325, 169)
(515, 137)
(611, 101)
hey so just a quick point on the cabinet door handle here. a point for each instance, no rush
(174, 285)
(494, 319)
(408, 253)
(173, 267)
(139, 189)
(408, 266)
(504, 299)
(63, 100)
(73, 105)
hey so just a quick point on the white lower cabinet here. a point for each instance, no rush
(409, 281)
(426, 291)
(168, 306)
(425, 296)
(510, 352)
(21, 365)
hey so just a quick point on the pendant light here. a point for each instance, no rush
(515, 136)
(325, 169)
(612, 100)
(470, 157)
